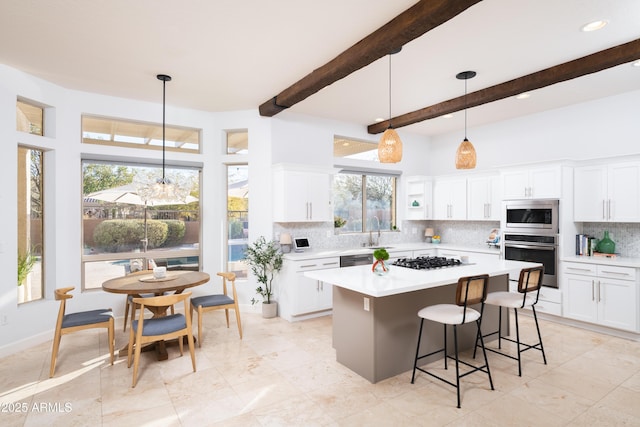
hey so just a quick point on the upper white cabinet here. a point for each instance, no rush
(450, 198)
(301, 196)
(607, 192)
(527, 183)
(418, 201)
(483, 198)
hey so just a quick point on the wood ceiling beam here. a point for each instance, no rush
(409, 25)
(589, 64)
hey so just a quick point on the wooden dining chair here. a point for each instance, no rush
(218, 302)
(160, 328)
(69, 323)
(130, 305)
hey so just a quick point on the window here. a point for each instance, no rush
(237, 142)
(29, 117)
(129, 133)
(354, 149)
(121, 233)
(364, 202)
(30, 224)
(237, 218)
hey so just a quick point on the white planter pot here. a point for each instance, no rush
(269, 310)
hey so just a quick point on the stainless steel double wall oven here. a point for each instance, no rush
(530, 233)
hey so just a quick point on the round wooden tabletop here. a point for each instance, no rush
(144, 282)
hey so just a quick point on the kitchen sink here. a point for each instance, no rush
(381, 247)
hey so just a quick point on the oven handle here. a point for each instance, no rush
(532, 246)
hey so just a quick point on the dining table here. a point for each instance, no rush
(144, 282)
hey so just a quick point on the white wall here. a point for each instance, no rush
(602, 128)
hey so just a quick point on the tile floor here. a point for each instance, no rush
(285, 374)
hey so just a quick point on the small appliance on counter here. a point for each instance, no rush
(494, 237)
(301, 244)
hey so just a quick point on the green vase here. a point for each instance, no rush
(606, 245)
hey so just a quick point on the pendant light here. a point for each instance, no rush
(466, 154)
(390, 145)
(165, 190)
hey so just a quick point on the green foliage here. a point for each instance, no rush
(339, 222)
(175, 231)
(265, 260)
(116, 235)
(26, 262)
(236, 229)
(381, 254)
(102, 176)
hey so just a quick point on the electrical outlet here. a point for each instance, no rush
(3, 319)
(329, 233)
(366, 304)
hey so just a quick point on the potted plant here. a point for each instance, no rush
(265, 260)
(338, 223)
(379, 266)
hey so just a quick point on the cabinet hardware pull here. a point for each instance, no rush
(578, 269)
(330, 263)
(599, 299)
(615, 272)
(593, 296)
(308, 265)
(604, 216)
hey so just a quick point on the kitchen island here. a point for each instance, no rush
(375, 321)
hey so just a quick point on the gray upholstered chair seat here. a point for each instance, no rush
(211, 300)
(86, 317)
(161, 325)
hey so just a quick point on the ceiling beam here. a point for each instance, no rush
(409, 25)
(589, 64)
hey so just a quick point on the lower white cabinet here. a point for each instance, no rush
(302, 297)
(602, 294)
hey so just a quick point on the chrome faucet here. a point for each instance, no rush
(377, 242)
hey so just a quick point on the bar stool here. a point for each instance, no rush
(529, 284)
(470, 290)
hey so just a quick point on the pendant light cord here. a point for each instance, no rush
(164, 89)
(465, 108)
(390, 127)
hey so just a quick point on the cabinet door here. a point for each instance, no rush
(545, 182)
(580, 301)
(623, 189)
(617, 304)
(483, 198)
(305, 295)
(318, 194)
(450, 199)
(515, 184)
(589, 193)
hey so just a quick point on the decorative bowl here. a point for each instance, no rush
(435, 240)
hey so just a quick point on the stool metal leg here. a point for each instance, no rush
(515, 311)
(484, 352)
(445, 345)
(455, 344)
(500, 327)
(415, 362)
(535, 316)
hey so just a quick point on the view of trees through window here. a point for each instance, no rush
(364, 202)
(122, 232)
(237, 218)
(30, 224)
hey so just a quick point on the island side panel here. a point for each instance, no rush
(381, 343)
(353, 336)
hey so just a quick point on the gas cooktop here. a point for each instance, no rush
(426, 263)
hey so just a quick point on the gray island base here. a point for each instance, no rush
(375, 319)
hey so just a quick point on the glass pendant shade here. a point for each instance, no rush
(466, 155)
(390, 147)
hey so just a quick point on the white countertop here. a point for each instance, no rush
(391, 248)
(618, 261)
(400, 280)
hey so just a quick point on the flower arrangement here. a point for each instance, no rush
(381, 255)
(435, 239)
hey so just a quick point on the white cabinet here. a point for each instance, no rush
(302, 297)
(418, 198)
(450, 199)
(526, 183)
(483, 198)
(607, 192)
(301, 196)
(602, 294)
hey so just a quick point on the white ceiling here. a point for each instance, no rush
(234, 55)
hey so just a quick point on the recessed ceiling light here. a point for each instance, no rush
(379, 119)
(636, 63)
(595, 25)
(345, 144)
(523, 96)
(447, 116)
